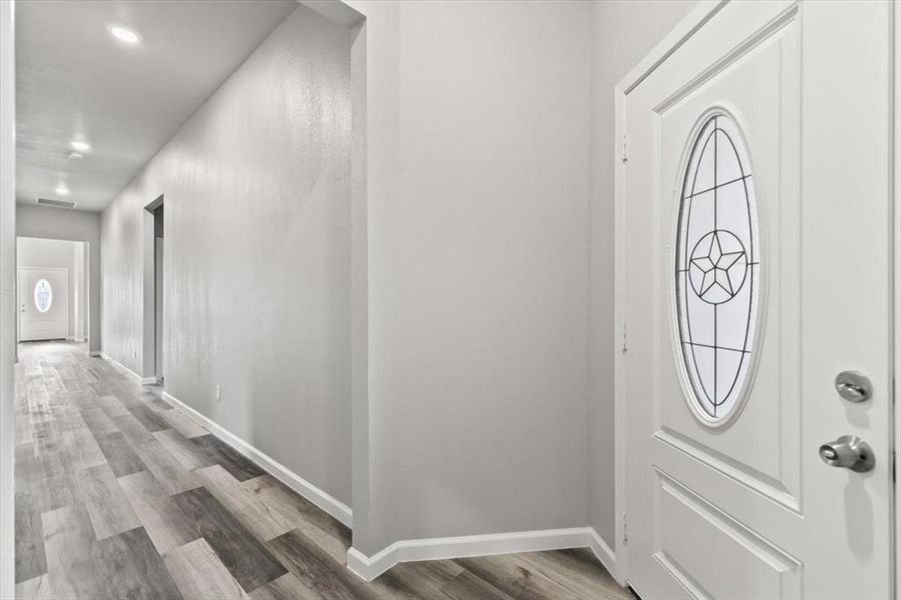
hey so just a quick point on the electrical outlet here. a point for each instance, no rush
(218, 392)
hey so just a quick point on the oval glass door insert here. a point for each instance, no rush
(717, 271)
(43, 295)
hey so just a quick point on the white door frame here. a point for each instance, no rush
(896, 241)
(703, 12)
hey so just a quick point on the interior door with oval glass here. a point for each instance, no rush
(755, 267)
(43, 304)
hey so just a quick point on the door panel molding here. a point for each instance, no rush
(723, 539)
(741, 473)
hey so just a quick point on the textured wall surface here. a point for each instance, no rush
(78, 226)
(624, 31)
(257, 255)
(7, 293)
(478, 179)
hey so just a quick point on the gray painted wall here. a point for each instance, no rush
(624, 32)
(478, 191)
(78, 226)
(257, 256)
(7, 293)
(36, 252)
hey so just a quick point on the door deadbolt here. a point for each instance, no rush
(853, 386)
(849, 452)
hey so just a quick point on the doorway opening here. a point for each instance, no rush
(52, 290)
(153, 292)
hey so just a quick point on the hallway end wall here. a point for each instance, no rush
(34, 221)
(257, 254)
(60, 254)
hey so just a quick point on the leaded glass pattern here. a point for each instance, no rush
(717, 268)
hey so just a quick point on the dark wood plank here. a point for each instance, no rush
(165, 523)
(133, 430)
(129, 567)
(231, 460)
(249, 561)
(445, 579)
(189, 454)
(286, 587)
(315, 570)
(184, 424)
(31, 560)
(174, 477)
(577, 570)
(515, 576)
(259, 517)
(119, 454)
(150, 419)
(327, 532)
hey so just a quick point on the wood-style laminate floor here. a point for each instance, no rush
(120, 495)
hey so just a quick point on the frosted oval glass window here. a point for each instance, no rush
(717, 270)
(43, 295)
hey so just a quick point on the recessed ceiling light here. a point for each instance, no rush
(124, 34)
(80, 146)
(75, 156)
(62, 190)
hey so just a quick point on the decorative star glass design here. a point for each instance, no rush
(43, 295)
(717, 278)
(718, 267)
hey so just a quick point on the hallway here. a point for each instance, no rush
(120, 495)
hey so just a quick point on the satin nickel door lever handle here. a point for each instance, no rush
(848, 452)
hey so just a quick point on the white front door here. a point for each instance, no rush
(756, 214)
(43, 304)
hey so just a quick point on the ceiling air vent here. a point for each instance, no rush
(56, 203)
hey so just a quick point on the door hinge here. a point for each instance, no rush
(625, 346)
(625, 156)
(625, 529)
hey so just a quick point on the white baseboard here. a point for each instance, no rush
(604, 554)
(370, 567)
(320, 498)
(77, 339)
(121, 367)
(96, 353)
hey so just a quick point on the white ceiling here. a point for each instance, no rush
(75, 80)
